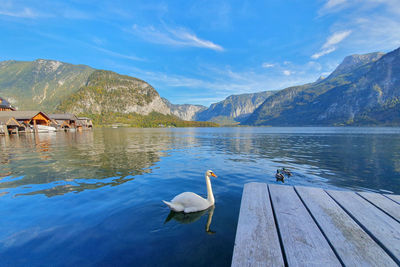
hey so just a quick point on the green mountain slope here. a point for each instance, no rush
(40, 84)
(107, 91)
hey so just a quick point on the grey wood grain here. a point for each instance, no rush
(353, 245)
(382, 202)
(382, 227)
(303, 242)
(395, 198)
(257, 241)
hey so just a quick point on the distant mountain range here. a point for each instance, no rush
(234, 109)
(362, 90)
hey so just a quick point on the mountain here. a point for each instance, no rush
(185, 112)
(40, 84)
(234, 108)
(363, 90)
(107, 91)
(354, 61)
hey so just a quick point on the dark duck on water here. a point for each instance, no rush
(287, 172)
(279, 176)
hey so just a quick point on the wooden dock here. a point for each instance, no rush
(301, 226)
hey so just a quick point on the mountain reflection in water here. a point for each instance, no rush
(72, 162)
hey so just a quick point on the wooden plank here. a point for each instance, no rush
(257, 241)
(395, 198)
(303, 242)
(382, 202)
(352, 244)
(375, 222)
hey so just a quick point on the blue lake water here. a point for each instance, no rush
(94, 198)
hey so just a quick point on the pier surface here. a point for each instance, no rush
(302, 226)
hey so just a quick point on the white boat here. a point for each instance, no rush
(45, 129)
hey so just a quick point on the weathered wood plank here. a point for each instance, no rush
(394, 197)
(353, 245)
(382, 202)
(257, 241)
(382, 227)
(303, 242)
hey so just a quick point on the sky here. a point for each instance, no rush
(200, 52)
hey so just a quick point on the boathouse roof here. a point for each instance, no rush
(10, 121)
(63, 116)
(22, 115)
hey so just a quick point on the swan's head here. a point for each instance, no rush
(210, 173)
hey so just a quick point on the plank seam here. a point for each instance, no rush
(378, 208)
(391, 199)
(277, 229)
(319, 227)
(367, 231)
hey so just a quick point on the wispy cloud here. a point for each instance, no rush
(116, 54)
(333, 3)
(18, 12)
(330, 44)
(375, 24)
(174, 37)
(267, 65)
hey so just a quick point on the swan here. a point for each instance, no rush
(191, 202)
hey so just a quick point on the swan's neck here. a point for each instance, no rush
(210, 196)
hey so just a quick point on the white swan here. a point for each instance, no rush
(191, 202)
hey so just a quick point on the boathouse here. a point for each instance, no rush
(84, 123)
(5, 105)
(28, 117)
(10, 125)
(65, 120)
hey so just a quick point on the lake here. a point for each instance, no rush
(95, 198)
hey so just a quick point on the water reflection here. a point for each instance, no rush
(58, 163)
(186, 218)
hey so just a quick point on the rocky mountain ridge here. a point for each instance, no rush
(363, 90)
(233, 109)
(185, 112)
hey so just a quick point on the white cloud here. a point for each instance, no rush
(323, 52)
(287, 72)
(333, 3)
(174, 37)
(21, 13)
(330, 44)
(116, 54)
(267, 65)
(335, 38)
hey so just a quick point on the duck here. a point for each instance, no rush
(188, 202)
(287, 172)
(279, 176)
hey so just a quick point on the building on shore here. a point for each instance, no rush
(84, 123)
(28, 117)
(13, 121)
(65, 120)
(9, 125)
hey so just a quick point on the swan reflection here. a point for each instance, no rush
(186, 218)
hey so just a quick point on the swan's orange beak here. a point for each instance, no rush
(213, 175)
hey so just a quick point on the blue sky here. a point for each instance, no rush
(200, 52)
